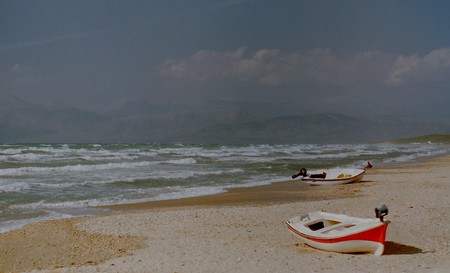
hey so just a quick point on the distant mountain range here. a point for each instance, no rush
(22, 122)
(317, 128)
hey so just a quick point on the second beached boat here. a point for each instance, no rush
(332, 176)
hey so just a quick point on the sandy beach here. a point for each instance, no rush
(244, 230)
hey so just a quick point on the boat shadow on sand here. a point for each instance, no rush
(393, 248)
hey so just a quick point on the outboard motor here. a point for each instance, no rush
(381, 212)
(302, 172)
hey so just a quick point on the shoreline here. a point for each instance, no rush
(243, 229)
(274, 192)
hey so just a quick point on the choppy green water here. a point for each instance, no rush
(61, 180)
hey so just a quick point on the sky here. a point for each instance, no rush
(360, 57)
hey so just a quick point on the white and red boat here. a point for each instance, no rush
(331, 177)
(342, 233)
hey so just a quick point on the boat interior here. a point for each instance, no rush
(329, 226)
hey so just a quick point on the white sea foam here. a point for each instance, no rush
(187, 161)
(14, 187)
(6, 226)
(188, 192)
(72, 168)
(45, 205)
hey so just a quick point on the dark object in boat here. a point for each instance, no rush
(319, 175)
(304, 173)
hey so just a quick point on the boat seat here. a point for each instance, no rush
(328, 228)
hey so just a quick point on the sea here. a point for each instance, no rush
(52, 181)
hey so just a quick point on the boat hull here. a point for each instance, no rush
(356, 177)
(352, 235)
(357, 244)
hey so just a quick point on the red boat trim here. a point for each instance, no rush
(377, 234)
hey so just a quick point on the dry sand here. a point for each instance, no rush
(244, 230)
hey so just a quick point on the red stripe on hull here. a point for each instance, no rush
(377, 234)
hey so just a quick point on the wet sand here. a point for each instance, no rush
(244, 230)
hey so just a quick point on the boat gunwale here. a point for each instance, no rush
(333, 236)
(308, 179)
(371, 223)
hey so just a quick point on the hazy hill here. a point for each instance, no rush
(319, 128)
(146, 123)
(436, 139)
(25, 122)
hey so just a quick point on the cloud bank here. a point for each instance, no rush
(432, 67)
(274, 68)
